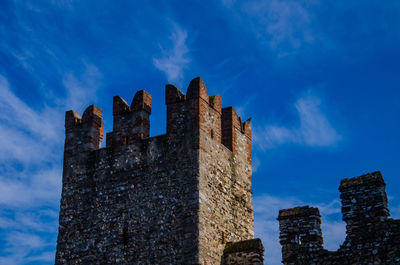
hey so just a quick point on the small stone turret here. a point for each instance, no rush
(364, 203)
(300, 233)
(130, 122)
(83, 134)
(365, 210)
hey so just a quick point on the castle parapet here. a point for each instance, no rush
(197, 110)
(232, 128)
(130, 122)
(187, 114)
(193, 112)
(83, 134)
(174, 99)
(197, 89)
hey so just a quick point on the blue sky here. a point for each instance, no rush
(320, 80)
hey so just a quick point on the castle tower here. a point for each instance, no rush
(179, 198)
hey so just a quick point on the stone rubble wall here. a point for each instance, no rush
(131, 204)
(372, 237)
(249, 252)
(226, 206)
(300, 234)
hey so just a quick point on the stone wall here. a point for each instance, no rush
(300, 234)
(176, 198)
(226, 207)
(372, 237)
(249, 252)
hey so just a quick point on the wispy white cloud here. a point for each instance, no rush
(24, 189)
(22, 247)
(42, 257)
(266, 209)
(14, 110)
(31, 166)
(288, 27)
(228, 3)
(285, 26)
(283, 22)
(29, 220)
(173, 61)
(30, 136)
(313, 128)
(24, 130)
(83, 86)
(26, 240)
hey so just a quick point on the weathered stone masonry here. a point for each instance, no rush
(178, 198)
(372, 237)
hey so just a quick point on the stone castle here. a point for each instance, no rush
(185, 197)
(179, 198)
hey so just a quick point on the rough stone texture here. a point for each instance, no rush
(300, 233)
(249, 252)
(176, 198)
(372, 237)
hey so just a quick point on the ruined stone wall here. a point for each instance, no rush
(170, 199)
(300, 234)
(249, 252)
(372, 237)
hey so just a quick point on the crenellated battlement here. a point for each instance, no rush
(232, 127)
(83, 134)
(132, 122)
(197, 90)
(188, 113)
(372, 238)
(154, 200)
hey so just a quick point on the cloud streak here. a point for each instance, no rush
(173, 61)
(289, 27)
(313, 128)
(13, 109)
(23, 130)
(31, 167)
(283, 23)
(284, 26)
